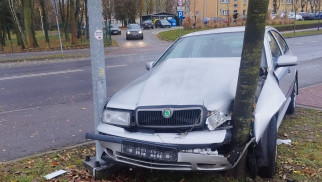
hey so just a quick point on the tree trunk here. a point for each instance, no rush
(86, 19)
(28, 22)
(248, 75)
(20, 32)
(45, 21)
(73, 22)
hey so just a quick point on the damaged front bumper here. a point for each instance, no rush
(195, 150)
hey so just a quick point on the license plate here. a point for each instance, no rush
(150, 151)
(115, 31)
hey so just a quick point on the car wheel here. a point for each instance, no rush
(291, 107)
(269, 170)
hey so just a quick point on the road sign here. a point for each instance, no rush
(180, 14)
(180, 2)
(180, 8)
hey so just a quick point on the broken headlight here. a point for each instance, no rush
(216, 119)
(117, 117)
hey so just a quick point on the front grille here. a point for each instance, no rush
(181, 117)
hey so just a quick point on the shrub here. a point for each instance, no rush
(187, 23)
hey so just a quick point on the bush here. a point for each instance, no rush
(199, 24)
(187, 23)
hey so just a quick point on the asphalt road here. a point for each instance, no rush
(47, 105)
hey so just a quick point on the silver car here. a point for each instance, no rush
(177, 116)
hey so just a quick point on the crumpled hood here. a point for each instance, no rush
(210, 82)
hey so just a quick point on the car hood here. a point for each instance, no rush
(210, 82)
(115, 29)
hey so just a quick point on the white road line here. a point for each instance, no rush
(115, 66)
(299, 43)
(40, 74)
(315, 41)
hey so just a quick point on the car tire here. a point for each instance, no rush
(269, 170)
(291, 107)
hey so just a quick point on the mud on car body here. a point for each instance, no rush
(177, 116)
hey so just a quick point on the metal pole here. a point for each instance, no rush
(98, 66)
(319, 15)
(61, 46)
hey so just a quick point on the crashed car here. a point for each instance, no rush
(177, 116)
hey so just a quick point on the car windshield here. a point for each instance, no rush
(114, 26)
(210, 45)
(147, 21)
(164, 21)
(134, 26)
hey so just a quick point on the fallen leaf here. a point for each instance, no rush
(285, 135)
(54, 163)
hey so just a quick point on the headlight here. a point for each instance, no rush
(117, 117)
(216, 119)
(128, 32)
(140, 32)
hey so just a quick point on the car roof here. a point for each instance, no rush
(220, 30)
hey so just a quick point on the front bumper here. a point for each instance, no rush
(134, 35)
(192, 150)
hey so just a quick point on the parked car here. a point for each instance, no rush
(307, 15)
(177, 116)
(147, 24)
(162, 23)
(134, 31)
(291, 15)
(115, 30)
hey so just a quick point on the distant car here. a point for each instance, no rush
(307, 15)
(134, 31)
(162, 23)
(147, 24)
(115, 30)
(291, 15)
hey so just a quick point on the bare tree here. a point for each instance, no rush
(21, 37)
(72, 21)
(45, 21)
(28, 23)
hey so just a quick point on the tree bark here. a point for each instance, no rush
(28, 22)
(248, 74)
(45, 21)
(20, 33)
(86, 19)
(73, 22)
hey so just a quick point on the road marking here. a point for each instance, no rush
(315, 41)
(299, 43)
(40, 74)
(115, 66)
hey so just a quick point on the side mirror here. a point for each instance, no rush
(149, 65)
(286, 60)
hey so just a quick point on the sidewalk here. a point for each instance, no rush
(310, 96)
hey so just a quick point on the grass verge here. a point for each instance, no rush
(300, 161)
(302, 33)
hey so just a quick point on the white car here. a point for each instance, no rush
(177, 115)
(291, 15)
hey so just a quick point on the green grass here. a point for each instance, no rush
(300, 161)
(54, 43)
(302, 33)
(173, 35)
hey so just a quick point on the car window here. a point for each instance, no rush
(210, 45)
(275, 50)
(281, 41)
(133, 26)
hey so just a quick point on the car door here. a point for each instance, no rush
(289, 78)
(275, 53)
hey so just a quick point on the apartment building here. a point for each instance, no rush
(227, 8)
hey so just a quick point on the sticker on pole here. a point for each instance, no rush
(98, 34)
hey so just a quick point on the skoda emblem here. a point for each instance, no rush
(167, 113)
